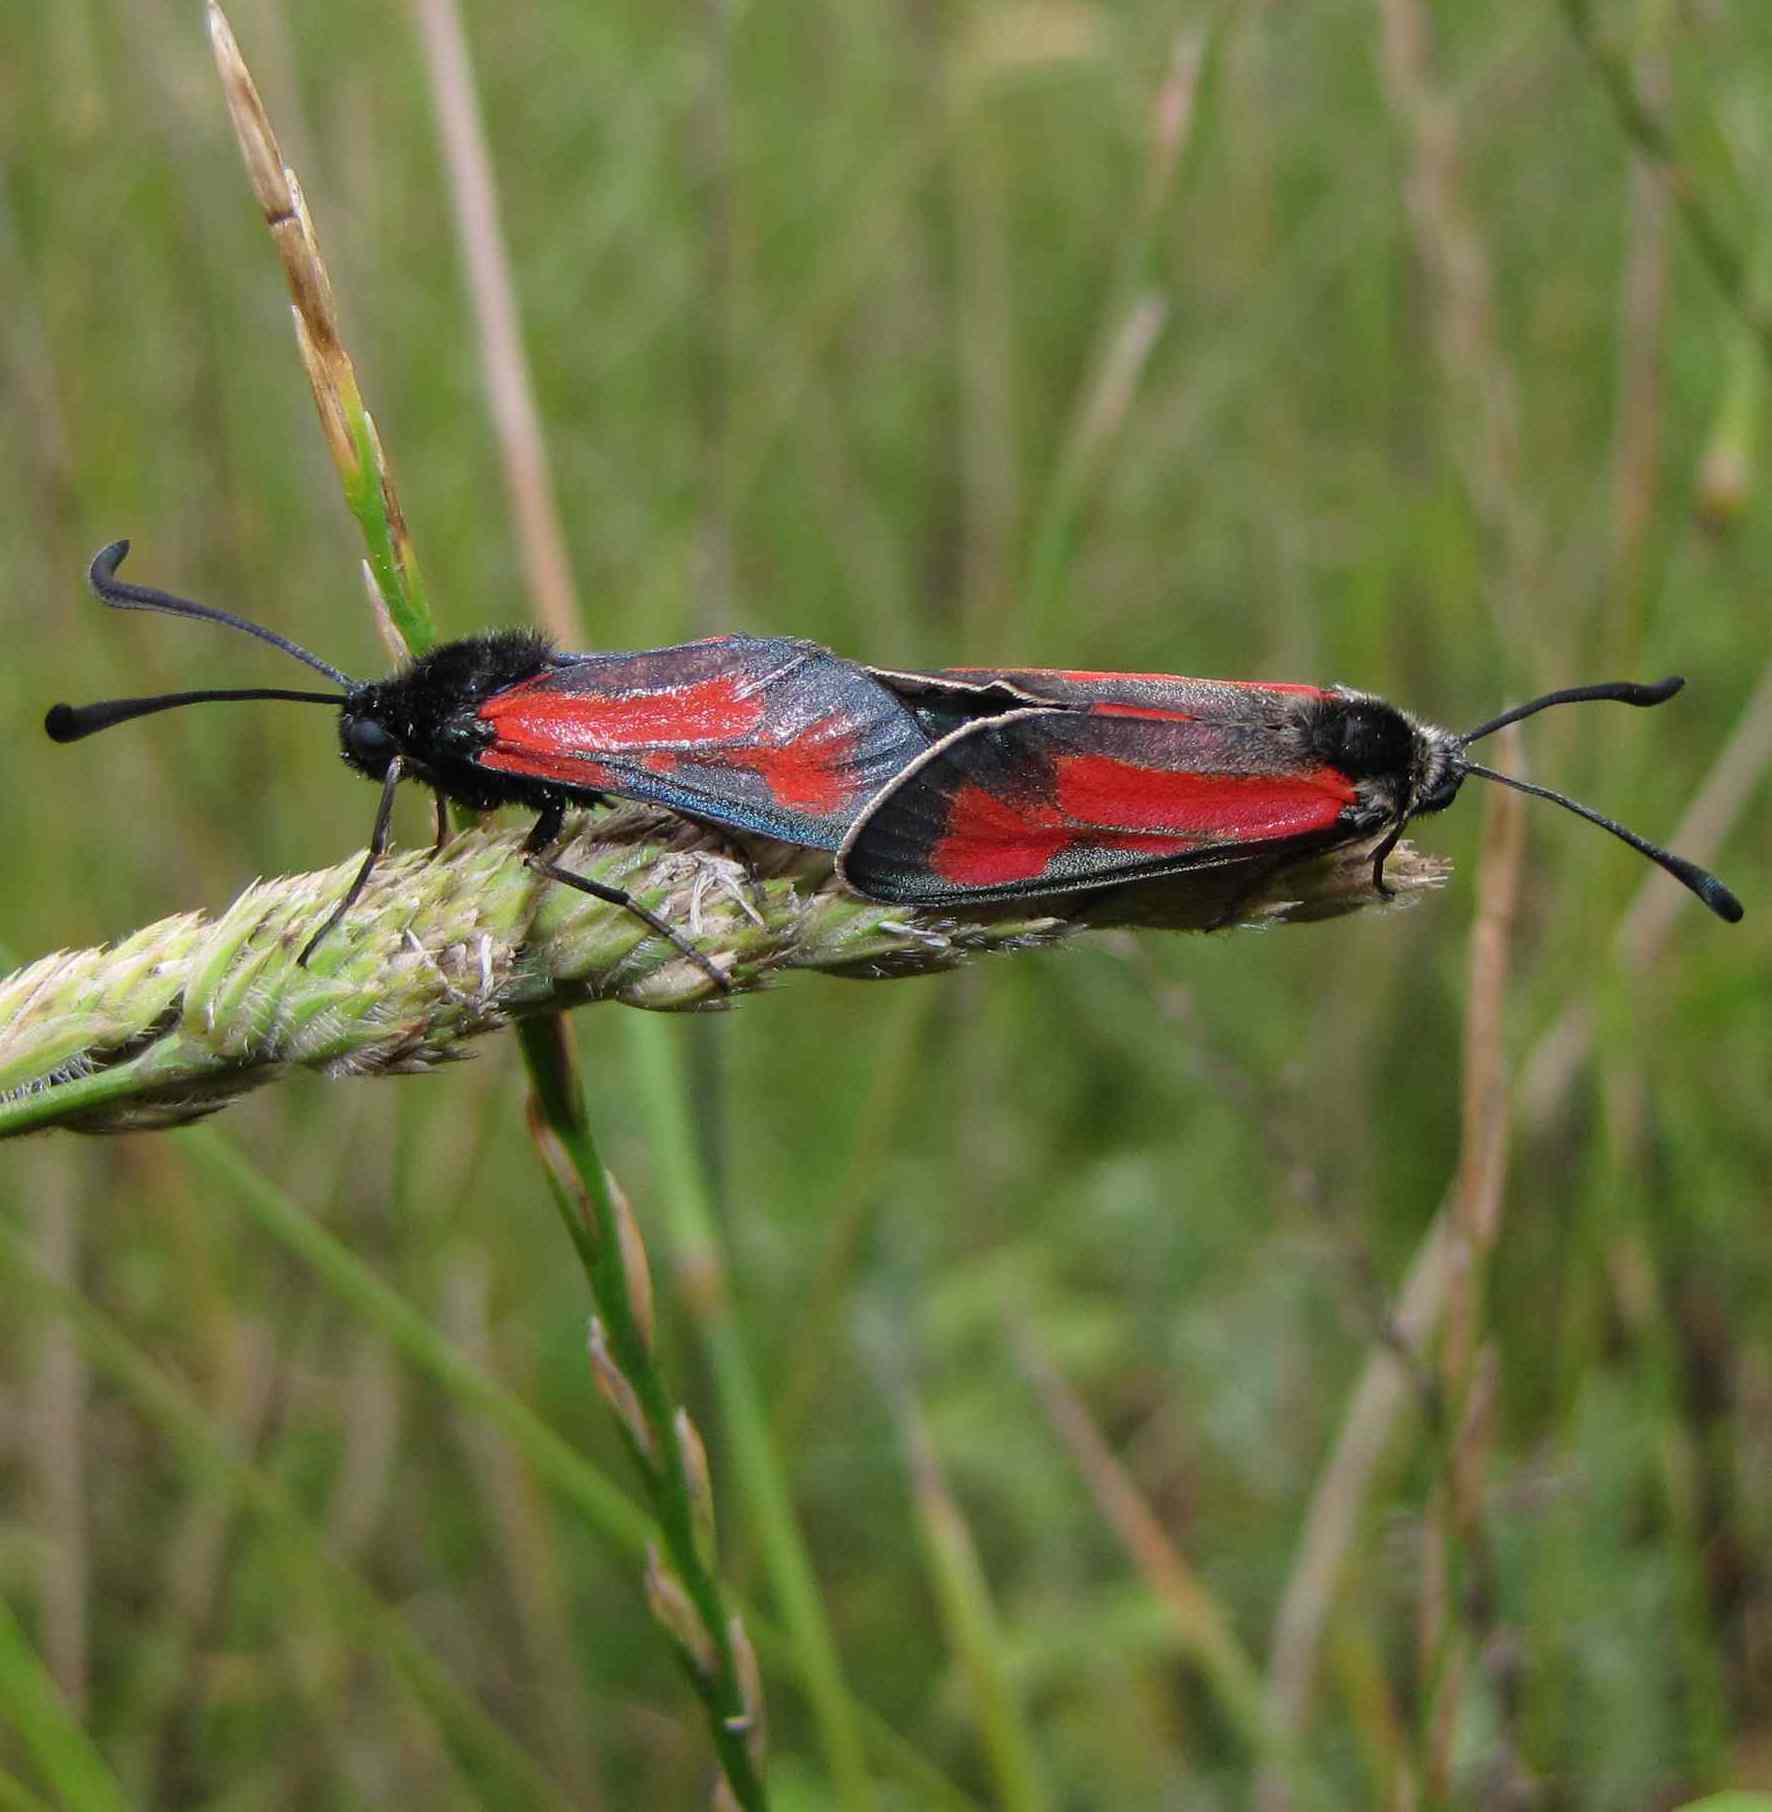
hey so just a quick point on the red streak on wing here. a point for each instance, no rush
(714, 724)
(1108, 707)
(811, 771)
(541, 764)
(990, 842)
(1119, 806)
(1098, 791)
(536, 716)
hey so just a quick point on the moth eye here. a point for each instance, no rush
(369, 741)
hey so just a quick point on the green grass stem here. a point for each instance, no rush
(31, 1702)
(676, 1146)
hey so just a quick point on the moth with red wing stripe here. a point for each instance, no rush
(933, 789)
(760, 734)
(754, 733)
(1136, 777)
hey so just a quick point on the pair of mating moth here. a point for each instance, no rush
(935, 790)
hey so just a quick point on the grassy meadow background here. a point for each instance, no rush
(1335, 341)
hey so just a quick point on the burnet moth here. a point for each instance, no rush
(761, 734)
(1138, 776)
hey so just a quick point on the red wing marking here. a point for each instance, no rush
(1104, 805)
(1098, 790)
(989, 842)
(1113, 708)
(538, 716)
(812, 771)
(717, 724)
(544, 764)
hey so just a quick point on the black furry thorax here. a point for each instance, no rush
(1410, 767)
(428, 712)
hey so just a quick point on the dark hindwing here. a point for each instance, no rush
(945, 701)
(1039, 801)
(1208, 700)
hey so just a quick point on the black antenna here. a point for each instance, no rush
(102, 577)
(68, 723)
(1623, 692)
(1702, 882)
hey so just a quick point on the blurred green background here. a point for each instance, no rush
(1336, 342)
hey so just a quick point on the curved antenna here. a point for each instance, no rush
(102, 577)
(1701, 881)
(68, 723)
(1623, 692)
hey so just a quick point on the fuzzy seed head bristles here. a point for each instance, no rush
(189, 1014)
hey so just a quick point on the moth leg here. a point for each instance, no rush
(442, 800)
(547, 833)
(378, 846)
(1379, 855)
